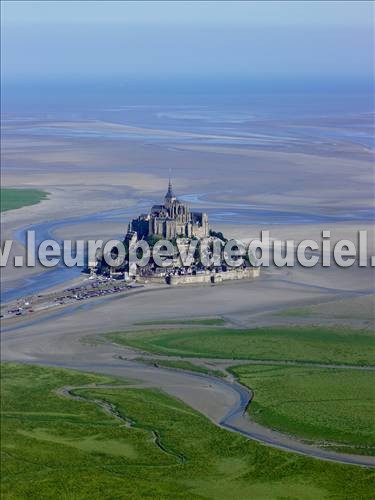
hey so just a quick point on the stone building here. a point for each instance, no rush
(171, 220)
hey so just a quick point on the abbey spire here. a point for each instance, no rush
(170, 196)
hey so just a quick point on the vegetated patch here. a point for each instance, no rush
(353, 308)
(53, 444)
(181, 365)
(294, 312)
(203, 321)
(12, 198)
(316, 344)
(94, 444)
(330, 407)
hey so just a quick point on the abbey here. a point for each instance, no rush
(171, 220)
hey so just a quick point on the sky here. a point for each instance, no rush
(263, 41)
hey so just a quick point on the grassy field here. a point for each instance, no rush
(334, 406)
(56, 447)
(17, 198)
(314, 344)
(198, 322)
(181, 365)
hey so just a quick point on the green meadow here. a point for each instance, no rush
(285, 343)
(157, 447)
(11, 199)
(181, 365)
(334, 407)
(198, 322)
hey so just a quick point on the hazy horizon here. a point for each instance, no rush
(297, 44)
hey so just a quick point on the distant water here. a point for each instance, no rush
(206, 100)
(236, 111)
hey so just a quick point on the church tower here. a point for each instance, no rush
(170, 220)
(169, 197)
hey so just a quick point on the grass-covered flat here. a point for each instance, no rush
(334, 407)
(11, 198)
(54, 447)
(181, 365)
(357, 308)
(198, 322)
(294, 343)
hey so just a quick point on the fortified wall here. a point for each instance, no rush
(206, 277)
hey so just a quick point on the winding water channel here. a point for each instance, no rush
(230, 401)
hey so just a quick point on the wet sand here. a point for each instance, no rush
(88, 175)
(123, 165)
